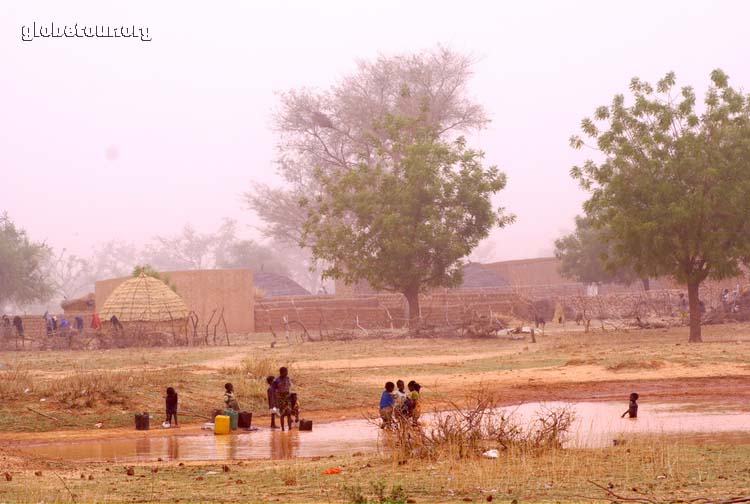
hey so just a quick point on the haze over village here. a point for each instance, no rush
(389, 252)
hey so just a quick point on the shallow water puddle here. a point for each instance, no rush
(597, 424)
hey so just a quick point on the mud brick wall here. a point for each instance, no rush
(382, 311)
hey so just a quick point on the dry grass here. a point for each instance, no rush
(635, 364)
(659, 467)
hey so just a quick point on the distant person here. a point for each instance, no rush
(96, 323)
(18, 324)
(54, 323)
(682, 307)
(116, 324)
(272, 404)
(64, 324)
(230, 400)
(78, 323)
(632, 411)
(171, 407)
(387, 400)
(283, 386)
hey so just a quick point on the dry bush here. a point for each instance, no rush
(463, 432)
(14, 381)
(636, 364)
(259, 367)
(84, 389)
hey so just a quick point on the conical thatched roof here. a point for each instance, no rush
(144, 299)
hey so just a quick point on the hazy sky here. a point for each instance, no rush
(119, 138)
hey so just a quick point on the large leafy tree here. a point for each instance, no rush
(23, 277)
(405, 223)
(671, 182)
(585, 257)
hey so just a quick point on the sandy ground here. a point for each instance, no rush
(703, 382)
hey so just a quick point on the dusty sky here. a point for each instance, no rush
(119, 138)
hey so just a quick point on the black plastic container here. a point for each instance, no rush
(245, 420)
(142, 421)
(305, 425)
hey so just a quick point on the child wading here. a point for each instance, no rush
(387, 400)
(171, 407)
(229, 398)
(273, 406)
(632, 411)
(283, 386)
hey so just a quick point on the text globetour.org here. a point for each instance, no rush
(40, 30)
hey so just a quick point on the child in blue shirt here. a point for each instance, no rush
(386, 405)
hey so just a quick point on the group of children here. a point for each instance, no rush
(396, 403)
(281, 400)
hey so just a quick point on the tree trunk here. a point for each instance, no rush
(695, 314)
(412, 298)
(646, 283)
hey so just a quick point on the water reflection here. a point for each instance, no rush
(597, 424)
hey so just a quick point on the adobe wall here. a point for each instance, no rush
(382, 311)
(205, 291)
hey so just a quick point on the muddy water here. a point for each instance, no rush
(597, 424)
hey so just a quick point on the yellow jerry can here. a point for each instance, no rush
(221, 424)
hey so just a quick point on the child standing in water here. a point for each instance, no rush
(283, 386)
(171, 407)
(632, 411)
(229, 398)
(272, 405)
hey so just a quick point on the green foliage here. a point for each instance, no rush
(405, 222)
(585, 256)
(672, 183)
(148, 270)
(22, 274)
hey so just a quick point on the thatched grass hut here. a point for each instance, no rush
(147, 310)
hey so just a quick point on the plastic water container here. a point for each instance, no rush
(233, 418)
(221, 425)
(142, 421)
(245, 420)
